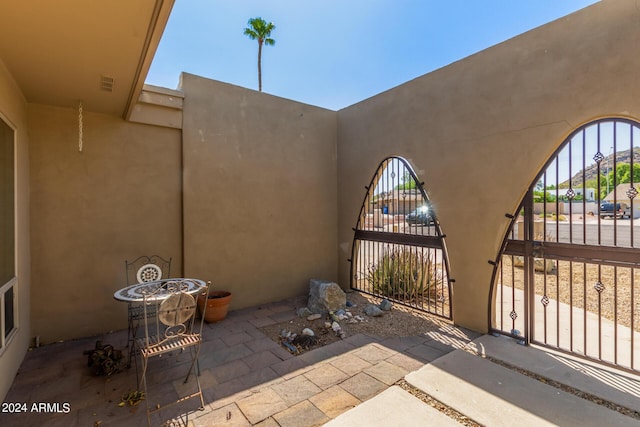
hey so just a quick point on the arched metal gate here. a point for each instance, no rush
(398, 250)
(568, 274)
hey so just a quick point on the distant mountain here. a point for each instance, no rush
(591, 171)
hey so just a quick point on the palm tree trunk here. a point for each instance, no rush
(260, 65)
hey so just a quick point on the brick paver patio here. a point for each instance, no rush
(247, 378)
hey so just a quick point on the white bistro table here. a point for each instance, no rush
(160, 289)
(134, 296)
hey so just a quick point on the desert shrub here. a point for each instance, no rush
(405, 274)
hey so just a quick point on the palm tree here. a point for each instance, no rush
(261, 30)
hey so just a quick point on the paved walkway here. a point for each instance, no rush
(247, 378)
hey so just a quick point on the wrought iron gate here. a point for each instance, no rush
(568, 274)
(398, 250)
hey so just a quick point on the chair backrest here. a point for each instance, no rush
(147, 269)
(170, 313)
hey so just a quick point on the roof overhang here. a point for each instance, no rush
(65, 52)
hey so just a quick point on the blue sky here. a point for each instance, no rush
(334, 53)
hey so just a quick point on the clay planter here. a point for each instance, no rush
(217, 305)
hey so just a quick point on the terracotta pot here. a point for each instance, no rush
(217, 305)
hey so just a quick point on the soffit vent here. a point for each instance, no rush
(106, 83)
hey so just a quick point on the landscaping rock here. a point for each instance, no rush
(385, 305)
(373, 310)
(309, 332)
(325, 296)
(338, 330)
(304, 312)
(314, 317)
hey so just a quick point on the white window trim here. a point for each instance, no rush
(5, 342)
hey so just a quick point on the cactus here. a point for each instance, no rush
(405, 274)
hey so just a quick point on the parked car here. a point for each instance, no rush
(422, 215)
(620, 210)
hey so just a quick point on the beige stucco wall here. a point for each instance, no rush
(260, 191)
(13, 110)
(490, 122)
(118, 199)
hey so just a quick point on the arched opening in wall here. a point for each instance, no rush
(568, 274)
(398, 250)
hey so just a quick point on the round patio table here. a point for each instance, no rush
(160, 289)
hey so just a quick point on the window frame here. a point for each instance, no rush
(12, 283)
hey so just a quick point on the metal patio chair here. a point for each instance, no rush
(170, 325)
(141, 270)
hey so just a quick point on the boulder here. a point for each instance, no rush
(325, 296)
(372, 310)
(385, 305)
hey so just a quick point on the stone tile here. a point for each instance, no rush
(373, 353)
(326, 375)
(212, 344)
(386, 372)
(444, 346)
(260, 322)
(256, 333)
(235, 326)
(315, 356)
(262, 311)
(261, 344)
(350, 364)
(334, 401)
(224, 394)
(340, 347)
(363, 386)
(260, 378)
(206, 380)
(261, 405)
(282, 353)
(406, 361)
(361, 340)
(296, 389)
(229, 415)
(402, 343)
(304, 414)
(230, 370)
(261, 359)
(425, 353)
(269, 422)
(237, 338)
(220, 357)
(291, 367)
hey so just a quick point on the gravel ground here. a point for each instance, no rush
(401, 321)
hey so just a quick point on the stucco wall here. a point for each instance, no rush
(13, 110)
(118, 199)
(478, 131)
(260, 191)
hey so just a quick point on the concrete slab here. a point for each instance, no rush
(616, 386)
(497, 396)
(393, 407)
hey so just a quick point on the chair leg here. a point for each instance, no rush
(132, 332)
(143, 380)
(195, 364)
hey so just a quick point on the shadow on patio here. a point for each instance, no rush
(247, 378)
